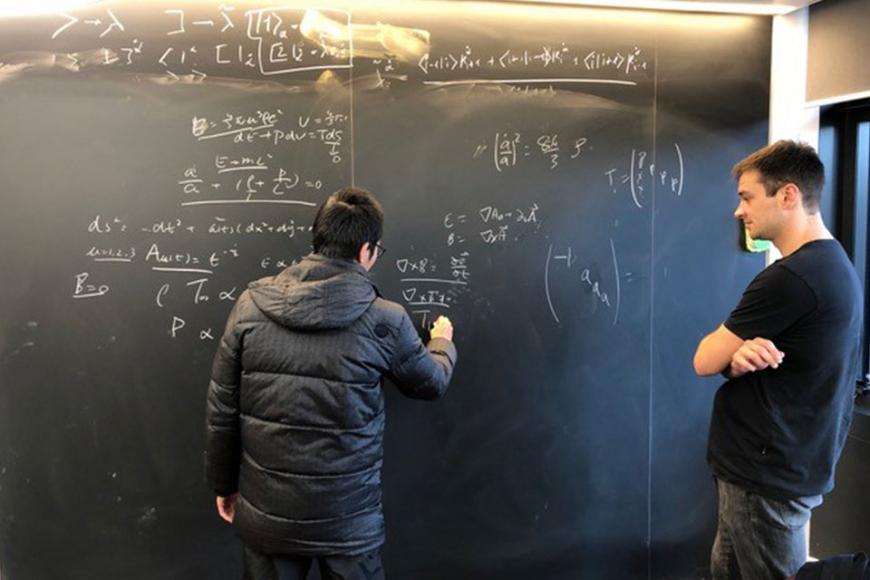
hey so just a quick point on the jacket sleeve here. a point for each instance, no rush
(421, 372)
(223, 437)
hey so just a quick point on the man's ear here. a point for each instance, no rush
(363, 254)
(366, 255)
(791, 196)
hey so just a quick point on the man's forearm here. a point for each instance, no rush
(715, 351)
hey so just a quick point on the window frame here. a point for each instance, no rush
(844, 146)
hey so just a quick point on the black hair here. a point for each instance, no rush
(348, 218)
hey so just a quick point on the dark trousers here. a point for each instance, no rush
(260, 566)
(759, 538)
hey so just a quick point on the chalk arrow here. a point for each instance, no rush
(70, 21)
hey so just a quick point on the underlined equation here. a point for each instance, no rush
(195, 42)
(595, 278)
(641, 173)
(423, 286)
(430, 286)
(254, 163)
(160, 258)
(556, 64)
(504, 151)
(625, 62)
(166, 250)
(275, 128)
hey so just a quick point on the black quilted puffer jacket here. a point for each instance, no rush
(295, 410)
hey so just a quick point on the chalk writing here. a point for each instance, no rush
(508, 149)
(100, 225)
(561, 57)
(223, 227)
(643, 174)
(85, 289)
(197, 42)
(422, 265)
(240, 155)
(587, 275)
(101, 26)
(274, 128)
(111, 254)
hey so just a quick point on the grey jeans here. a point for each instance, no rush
(759, 538)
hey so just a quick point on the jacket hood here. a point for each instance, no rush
(318, 293)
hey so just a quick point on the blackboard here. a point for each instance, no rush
(556, 180)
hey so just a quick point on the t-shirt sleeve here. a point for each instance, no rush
(776, 299)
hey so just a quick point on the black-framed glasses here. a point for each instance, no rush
(381, 250)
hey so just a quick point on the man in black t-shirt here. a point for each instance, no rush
(790, 351)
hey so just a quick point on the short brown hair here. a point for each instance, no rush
(787, 162)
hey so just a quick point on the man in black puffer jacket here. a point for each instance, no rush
(295, 410)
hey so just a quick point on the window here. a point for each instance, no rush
(844, 146)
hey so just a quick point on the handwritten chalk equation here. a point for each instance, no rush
(563, 57)
(108, 254)
(666, 173)
(163, 260)
(177, 329)
(224, 227)
(254, 184)
(85, 289)
(267, 41)
(507, 149)
(198, 291)
(183, 277)
(273, 263)
(102, 24)
(508, 225)
(102, 225)
(416, 266)
(586, 275)
(274, 128)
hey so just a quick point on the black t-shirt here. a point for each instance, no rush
(779, 432)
